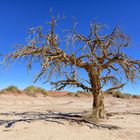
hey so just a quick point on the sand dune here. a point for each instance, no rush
(18, 107)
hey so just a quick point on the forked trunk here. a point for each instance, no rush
(98, 110)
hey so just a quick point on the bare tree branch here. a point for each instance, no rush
(100, 56)
(114, 88)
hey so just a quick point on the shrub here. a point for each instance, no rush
(70, 93)
(77, 94)
(73, 94)
(119, 94)
(136, 96)
(12, 89)
(32, 90)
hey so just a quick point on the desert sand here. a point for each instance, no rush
(18, 107)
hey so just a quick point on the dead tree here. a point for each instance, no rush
(100, 56)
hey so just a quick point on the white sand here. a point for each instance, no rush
(42, 130)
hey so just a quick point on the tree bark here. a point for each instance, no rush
(98, 109)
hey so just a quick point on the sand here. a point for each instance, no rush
(42, 130)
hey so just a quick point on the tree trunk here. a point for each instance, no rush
(98, 110)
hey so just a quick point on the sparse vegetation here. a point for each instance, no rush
(77, 95)
(121, 95)
(74, 94)
(70, 93)
(30, 91)
(33, 91)
(84, 93)
(11, 89)
(136, 96)
(117, 94)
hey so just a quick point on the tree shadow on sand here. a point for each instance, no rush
(50, 116)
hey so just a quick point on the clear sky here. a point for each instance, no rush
(17, 16)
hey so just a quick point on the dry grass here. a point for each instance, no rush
(79, 94)
(73, 94)
(30, 91)
(34, 91)
(11, 89)
(121, 95)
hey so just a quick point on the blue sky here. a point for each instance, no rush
(17, 16)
